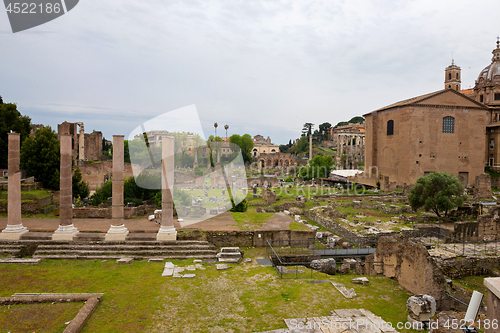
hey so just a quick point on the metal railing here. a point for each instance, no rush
(292, 258)
(437, 240)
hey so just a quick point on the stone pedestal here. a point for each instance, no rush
(66, 230)
(117, 231)
(14, 229)
(167, 230)
(166, 233)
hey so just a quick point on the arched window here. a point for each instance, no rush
(449, 76)
(390, 127)
(448, 125)
(457, 76)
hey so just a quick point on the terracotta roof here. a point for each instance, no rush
(467, 91)
(415, 100)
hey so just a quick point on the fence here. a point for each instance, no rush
(439, 240)
(292, 258)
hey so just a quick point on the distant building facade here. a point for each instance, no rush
(263, 146)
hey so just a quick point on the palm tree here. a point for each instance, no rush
(226, 127)
(216, 125)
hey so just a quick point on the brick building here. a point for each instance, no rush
(452, 130)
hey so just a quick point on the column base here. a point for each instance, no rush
(116, 233)
(13, 232)
(166, 233)
(65, 232)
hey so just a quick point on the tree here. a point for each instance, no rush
(126, 152)
(307, 129)
(342, 123)
(40, 157)
(301, 146)
(437, 192)
(103, 193)
(215, 126)
(226, 127)
(245, 142)
(246, 146)
(324, 129)
(319, 167)
(80, 188)
(107, 147)
(357, 120)
(11, 120)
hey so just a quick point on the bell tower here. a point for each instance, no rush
(452, 76)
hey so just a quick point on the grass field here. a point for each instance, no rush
(246, 298)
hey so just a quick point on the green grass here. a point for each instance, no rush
(250, 220)
(28, 195)
(245, 298)
(30, 317)
(472, 283)
(298, 226)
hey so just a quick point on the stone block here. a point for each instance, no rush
(421, 307)
(361, 280)
(124, 260)
(155, 260)
(221, 267)
(327, 266)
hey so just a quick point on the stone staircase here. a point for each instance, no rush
(10, 249)
(98, 249)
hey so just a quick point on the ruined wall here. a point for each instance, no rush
(466, 231)
(101, 213)
(330, 224)
(489, 224)
(410, 264)
(95, 173)
(93, 146)
(251, 238)
(468, 266)
(482, 188)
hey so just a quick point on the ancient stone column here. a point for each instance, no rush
(14, 229)
(81, 152)
(66, 230)
(341, 144)
(117, 231)
(167, 230)
(310, 147)
(195, 164)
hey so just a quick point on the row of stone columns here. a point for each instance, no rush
(346, 138)
(66, 229)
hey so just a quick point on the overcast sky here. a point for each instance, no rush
(260, 67)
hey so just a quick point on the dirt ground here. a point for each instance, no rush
(222, 222)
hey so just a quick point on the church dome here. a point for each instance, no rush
(492, 71)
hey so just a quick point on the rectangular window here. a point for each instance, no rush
(492, 143)
(448, 125)
(497, 96)
(481, 99)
